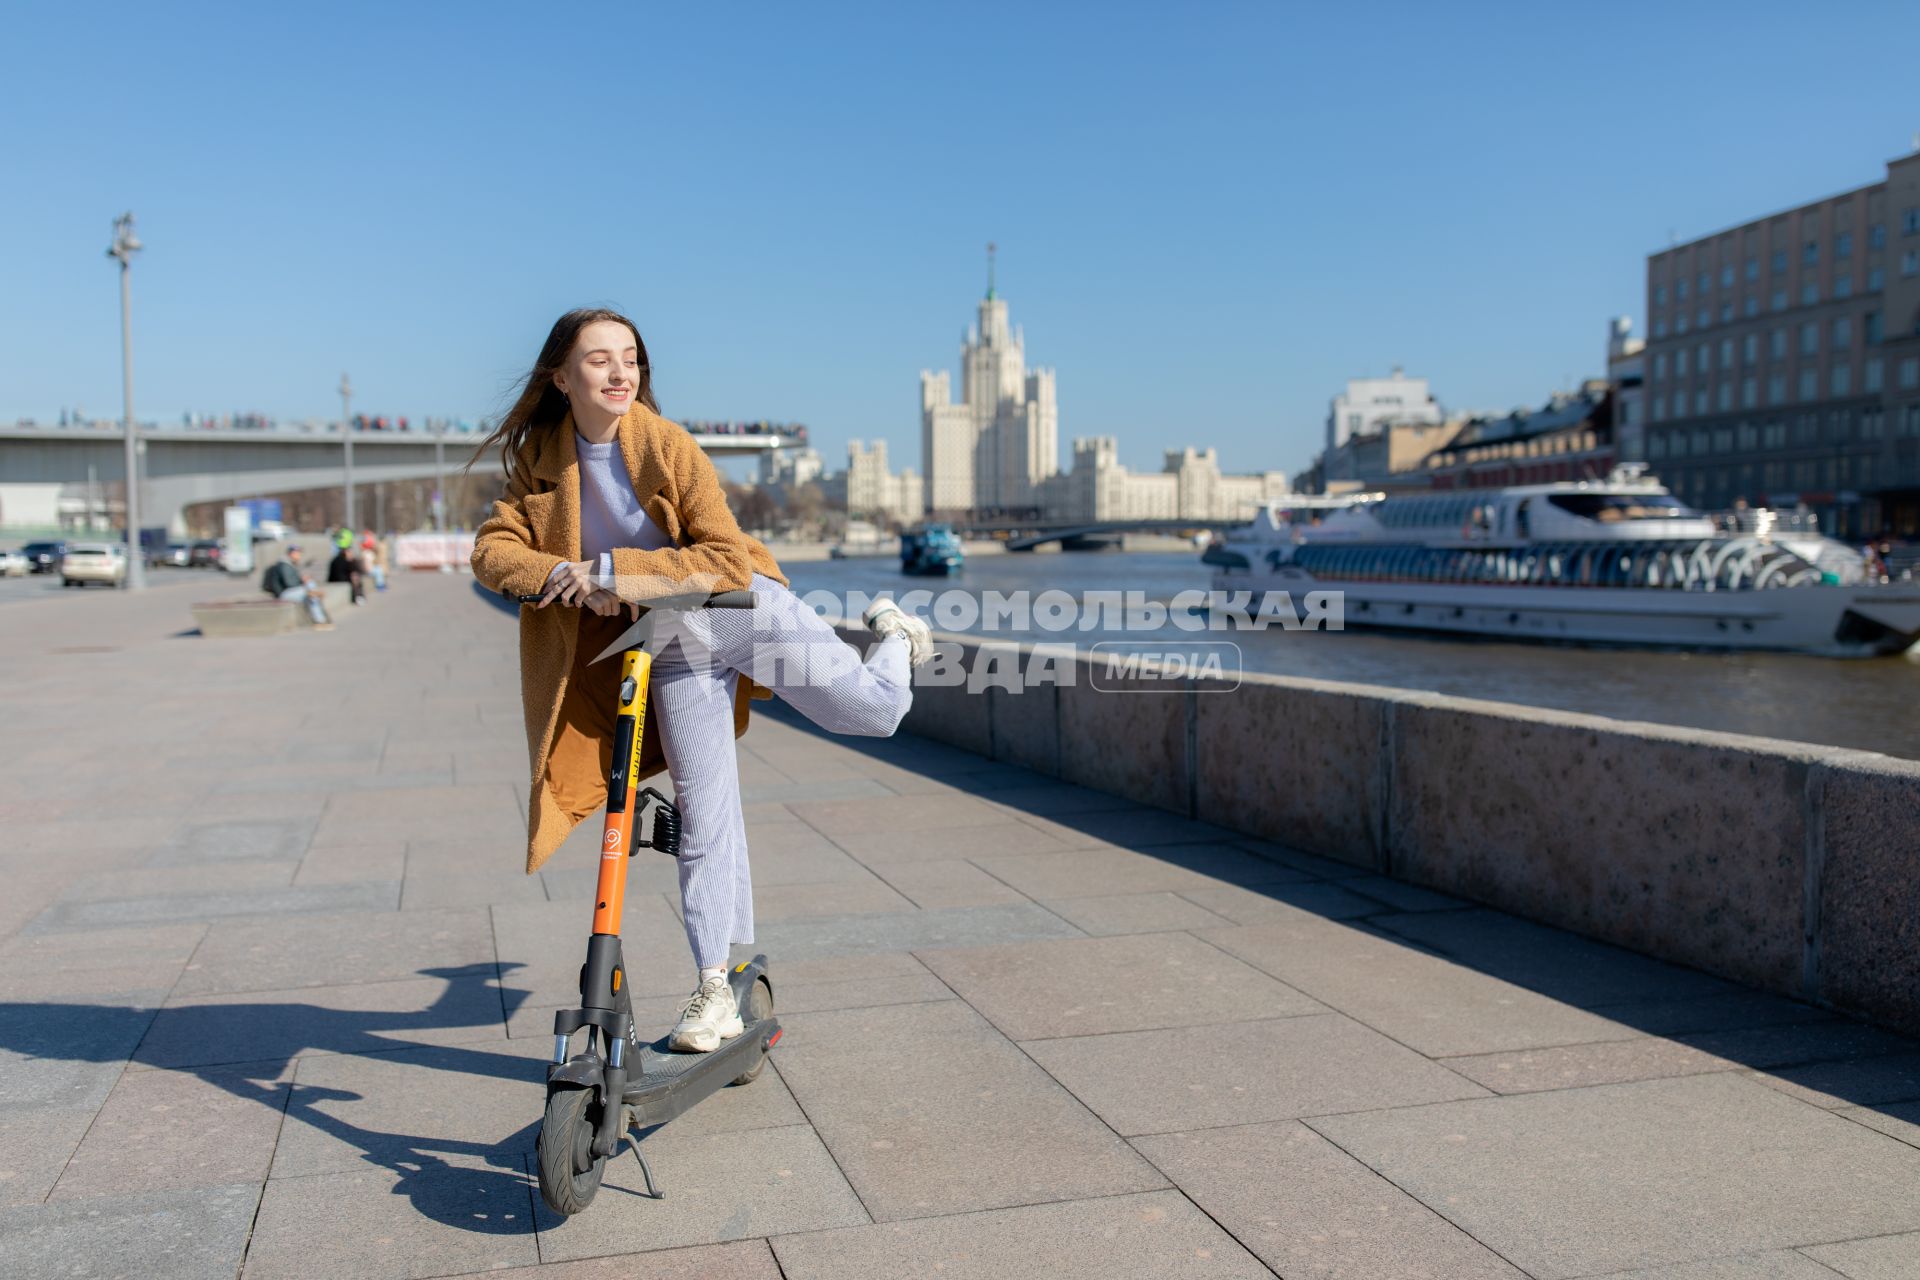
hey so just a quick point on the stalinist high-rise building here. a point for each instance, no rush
(997, 447)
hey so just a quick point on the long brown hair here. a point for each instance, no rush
(540, 407)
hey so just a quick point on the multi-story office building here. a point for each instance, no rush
(997, 447)
(1782, 364)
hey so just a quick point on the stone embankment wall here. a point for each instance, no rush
(1789, 867)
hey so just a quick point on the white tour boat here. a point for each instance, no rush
(1620, 561)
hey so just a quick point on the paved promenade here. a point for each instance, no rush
(276, 998)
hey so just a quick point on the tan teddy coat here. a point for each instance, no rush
(536, 525)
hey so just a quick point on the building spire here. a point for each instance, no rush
(991, 247)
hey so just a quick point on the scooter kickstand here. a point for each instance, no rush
(633, 1144)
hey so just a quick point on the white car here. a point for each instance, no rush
(13, 564)
(93, 562)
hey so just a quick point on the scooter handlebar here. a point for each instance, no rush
(717, 600)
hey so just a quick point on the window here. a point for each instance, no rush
(1777, 345)
(1749, 393)
(1843, 245)
(1809, 338)
(1660, 327)
(1700, 401)
(1910, 222)
(1726, 312)
(1910, 262)
(1680, 322)
(1726, 353)
(1777, 388)
(1910, 373)
(1877, 236)
(1842, 332)
(1660, 367)
(1753, 268)
(1750, 348)
(1779, 300)
(1723, 439)
(1809, 384)
(1659, 295)
(1810, 255)
(1871, 374)
(1680, 289)
(1749, 437)
(1840, 379)
(1659, 408)
(1723, 399)
(1774, 435)
(1876, 279)
(1809, 293)
(1705, 318)
(1752, 308)
(1779, 262)
(1657, 445)
(1726, 276)
(1706, 282)
(1843, 286)
(1704, 354)
(1680, 363)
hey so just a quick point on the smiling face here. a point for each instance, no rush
(601, 372)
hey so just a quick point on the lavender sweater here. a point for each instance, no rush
(610, 511)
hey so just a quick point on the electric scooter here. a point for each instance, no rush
(615, 1085)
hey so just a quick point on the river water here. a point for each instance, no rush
(1867, 703)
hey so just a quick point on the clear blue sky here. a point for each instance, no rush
(1209, 216)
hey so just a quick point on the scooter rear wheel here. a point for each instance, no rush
(569, 1172)
(759, 1005)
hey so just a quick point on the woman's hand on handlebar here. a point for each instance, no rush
(571, 582)
(606, 604)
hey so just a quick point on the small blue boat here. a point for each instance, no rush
(932, 551)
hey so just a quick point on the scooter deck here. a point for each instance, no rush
(668, 1083)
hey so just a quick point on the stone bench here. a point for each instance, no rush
(250, 616)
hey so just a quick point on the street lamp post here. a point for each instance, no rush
(346, 432)
(125, 245)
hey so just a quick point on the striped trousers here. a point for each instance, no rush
(784, 646)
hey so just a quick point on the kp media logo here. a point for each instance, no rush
(1120, 666)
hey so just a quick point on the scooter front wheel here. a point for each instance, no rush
(569, 1171)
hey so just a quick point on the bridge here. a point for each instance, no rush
(1072, 535)
(181, 466)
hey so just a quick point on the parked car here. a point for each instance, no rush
(93, 562)
(13, 564)
(177, 554)
(44, 557)
(206, 553)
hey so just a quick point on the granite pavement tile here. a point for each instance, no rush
(368, 1017)
(439, 1215)
(1242, 1072)
(156, 1235)
(334, 950)
(719, 1186)
(1111, 914)
(1774, 1264)
(1582, 1182)
(1897, 1119)
(1312, 1212)
(1552, 962)
(947, 882)
(916, 931)
(1153, 1235)
(169, 1130)
(1128, 982)
(1306, 900)
(741, 1260)
(35, 1145)
(1435, 1005)
(884, 850)
(51, 967)
(1172, 869)
(1579, 1065)
(1855, 1082)
(895, 814)
(929, 1110)
(180, 908)
(1893, 1257)
(348, 863)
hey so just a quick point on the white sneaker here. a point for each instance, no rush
(707, 1017)
(885, 618)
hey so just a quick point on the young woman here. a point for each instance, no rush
(609, 505)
